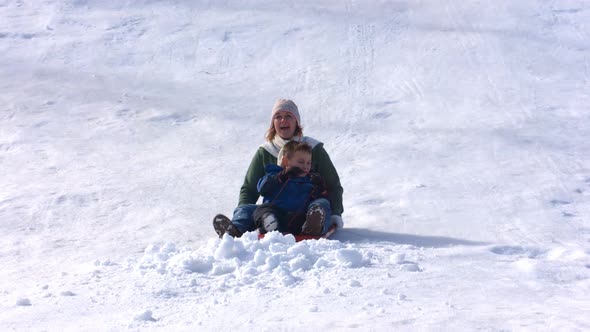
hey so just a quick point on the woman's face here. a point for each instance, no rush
(285, 124)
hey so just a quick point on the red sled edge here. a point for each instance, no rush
(302, 237)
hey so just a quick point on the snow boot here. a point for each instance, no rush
(314, 221)
(269, 223)
(223, 225)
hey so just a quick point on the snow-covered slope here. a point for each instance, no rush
(459, 130)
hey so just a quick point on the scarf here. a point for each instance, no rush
(275, 146)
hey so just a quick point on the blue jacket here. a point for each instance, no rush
(292, 194)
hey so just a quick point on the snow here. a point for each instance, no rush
(145, 316)
(459, 130)
(23, 302)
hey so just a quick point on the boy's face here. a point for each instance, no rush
(302, 160)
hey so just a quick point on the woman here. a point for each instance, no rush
(285, 126)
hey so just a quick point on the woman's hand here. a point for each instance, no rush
(337, 220)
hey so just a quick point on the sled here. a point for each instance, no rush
(222, 225)
(301, 237)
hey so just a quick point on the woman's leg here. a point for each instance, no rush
(242, 218)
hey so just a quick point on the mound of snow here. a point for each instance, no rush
(276, 258)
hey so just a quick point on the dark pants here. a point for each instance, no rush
(244, 221)
(289, 222)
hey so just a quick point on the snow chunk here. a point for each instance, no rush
(300, 262)
(322, 263)
(354, 283)
(410, 267)
(398, 258)
(222, 268)
(106, 262)
(197, 265)
(229, 248)
(349, 258)
(272, 263)
(260, 258)
(277, 237)
(145, 316)
(151, 249)
(186, 261)
(299, 249)
(23, 302)
(67, 293)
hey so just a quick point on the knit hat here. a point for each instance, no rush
(286, 105)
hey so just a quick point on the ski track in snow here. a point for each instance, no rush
(459, 131)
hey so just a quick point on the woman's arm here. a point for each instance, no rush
(323, 165)
(248, 191)
(319, 187)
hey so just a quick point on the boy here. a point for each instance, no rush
(295, 200)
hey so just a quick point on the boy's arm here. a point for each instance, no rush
(275, 178)
(267, 184)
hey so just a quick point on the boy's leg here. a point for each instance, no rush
(317, 219)
(265, 218)
(294, 222)
(242, 218)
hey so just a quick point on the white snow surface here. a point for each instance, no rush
(459, 129)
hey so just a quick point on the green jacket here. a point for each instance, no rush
(320, 163)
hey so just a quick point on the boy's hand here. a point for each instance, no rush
(294, 171)
(290, 172)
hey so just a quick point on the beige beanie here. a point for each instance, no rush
(286, 105)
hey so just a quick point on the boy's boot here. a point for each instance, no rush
(314, 221)
(223, 225)
(269, 223)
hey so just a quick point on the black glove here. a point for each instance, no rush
(294, 171)
(317, 180)
(289, 173)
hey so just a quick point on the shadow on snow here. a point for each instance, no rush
(360, 235)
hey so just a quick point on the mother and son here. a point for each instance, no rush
(293, 173)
